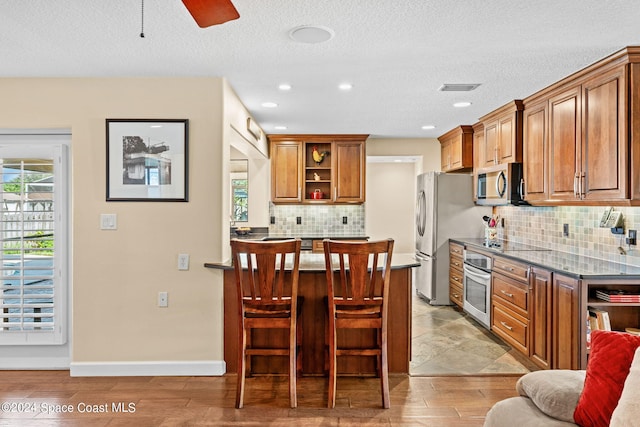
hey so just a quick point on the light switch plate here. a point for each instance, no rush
(108, 222)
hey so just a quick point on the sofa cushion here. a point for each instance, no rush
(609, 363)
(554, 392)
(627, 413)
(520, 412)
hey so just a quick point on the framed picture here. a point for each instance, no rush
(147, 160)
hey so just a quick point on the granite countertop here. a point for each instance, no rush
(314, 262)
(575, 265)
(304, 236)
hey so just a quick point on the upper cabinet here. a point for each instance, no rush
(318, 168)
(286, 170)
(456, 149)
(579, 133)
(502, 135)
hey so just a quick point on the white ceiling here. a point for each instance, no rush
(396, 53)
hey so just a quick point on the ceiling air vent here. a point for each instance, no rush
(458, 87)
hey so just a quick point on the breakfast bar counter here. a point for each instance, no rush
(313, 288)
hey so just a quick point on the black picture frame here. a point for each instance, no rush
(147, 160)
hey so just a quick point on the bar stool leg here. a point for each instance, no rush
(242, 367)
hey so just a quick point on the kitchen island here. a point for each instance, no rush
(313, 288)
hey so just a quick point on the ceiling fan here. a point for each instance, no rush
(211, 12)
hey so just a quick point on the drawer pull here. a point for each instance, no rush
(506, 326)
(506, 293)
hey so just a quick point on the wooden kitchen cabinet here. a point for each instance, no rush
(567, 320)
(503, 135)
(339, 177)
(588, 151)
(478, 155)
(541, 317)
(349, 171)
(578, 137)
(455, 273)
(510, 302)
(286, 170)
(456, 149)
(535, 152)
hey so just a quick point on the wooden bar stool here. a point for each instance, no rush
(358, 276)
(267, 282)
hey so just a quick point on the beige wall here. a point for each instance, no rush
(116, 275)
(391, 188)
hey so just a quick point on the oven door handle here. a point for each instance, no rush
(475, 275)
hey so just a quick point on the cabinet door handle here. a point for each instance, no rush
(506, 293)
(506, 326)
(575, 185)
(582, 185)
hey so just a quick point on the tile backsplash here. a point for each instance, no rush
(317, 219)
(543, 226)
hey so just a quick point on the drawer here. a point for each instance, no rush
(507, 325)
(455, 262)
(455, 276)
(317, 246)
(456, 249)
(515, 293)
(511, 268)
(455, 294)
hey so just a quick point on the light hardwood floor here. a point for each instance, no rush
(26, 396)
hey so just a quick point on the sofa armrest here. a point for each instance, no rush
(555, 392)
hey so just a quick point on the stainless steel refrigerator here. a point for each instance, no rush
(444, 209)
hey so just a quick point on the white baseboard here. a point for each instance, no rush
(137, 369)
(28, 363)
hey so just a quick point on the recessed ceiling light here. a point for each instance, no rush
(428, 127)
(269, 104)
(284, 86)
(462, 104)
(311, 34)
(280, 127)
(345, 86)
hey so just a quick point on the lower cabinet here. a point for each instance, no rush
(567, 319)
(538, 315)
(455, 273)
(510, 302)
(541, 317)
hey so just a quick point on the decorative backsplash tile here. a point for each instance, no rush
(317, 219)
(543, 226)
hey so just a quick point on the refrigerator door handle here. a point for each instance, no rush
(423, 258)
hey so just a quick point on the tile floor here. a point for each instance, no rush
(446, 341)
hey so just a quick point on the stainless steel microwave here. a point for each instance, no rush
(501, 185)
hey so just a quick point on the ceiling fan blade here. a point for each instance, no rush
(211, 12)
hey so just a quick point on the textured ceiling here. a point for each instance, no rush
(395, 53)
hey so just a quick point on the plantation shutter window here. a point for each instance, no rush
(32, 299)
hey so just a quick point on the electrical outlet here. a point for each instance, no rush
(345, 220)
(298, 220)
(565, 230)
(163, 299)
(183, 261)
